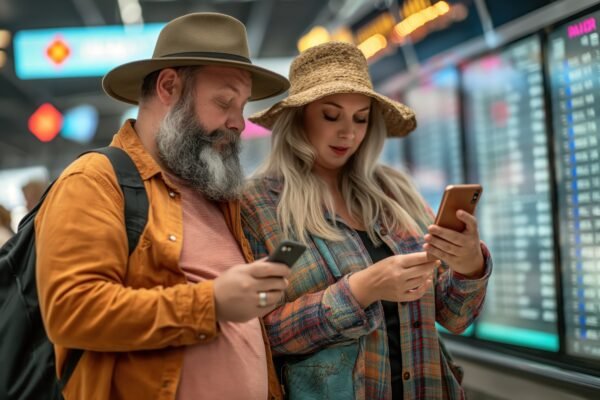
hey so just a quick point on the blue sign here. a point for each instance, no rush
(80, 123)
(80, 52)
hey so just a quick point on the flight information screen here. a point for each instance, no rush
(574, 66)
(435, 146)
(507, 147)
(393, 154)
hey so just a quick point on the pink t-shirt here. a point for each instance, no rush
(234, 365)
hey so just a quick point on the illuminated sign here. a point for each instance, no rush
(381, 25)
(315, 37)
(373, 45)
(253, 131)
(80, 124)
(77, 52)
(581, 28)
(58, 51)
(45, 122)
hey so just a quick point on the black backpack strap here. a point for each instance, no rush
(136, 217)
(134, 192)
(73, 356)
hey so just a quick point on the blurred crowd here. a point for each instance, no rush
(32, 192)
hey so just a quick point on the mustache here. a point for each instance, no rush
(220, 135)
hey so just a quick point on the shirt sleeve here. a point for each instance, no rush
(319, 319)
(313, 320)
(459, 300)
(82, 258)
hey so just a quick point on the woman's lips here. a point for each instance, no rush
(340, 151)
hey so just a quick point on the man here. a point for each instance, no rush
(179, 319)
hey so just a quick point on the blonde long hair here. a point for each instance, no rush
(372, 192)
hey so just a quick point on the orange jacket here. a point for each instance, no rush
(132, 316)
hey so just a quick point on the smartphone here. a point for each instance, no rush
(288, 252)
(457, 197)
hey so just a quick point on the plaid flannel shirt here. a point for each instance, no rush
(320, 310)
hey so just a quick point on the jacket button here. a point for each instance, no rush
(172, 238)
(406, 376)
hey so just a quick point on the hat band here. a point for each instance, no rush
(210, 54)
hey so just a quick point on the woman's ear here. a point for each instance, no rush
(168, 86)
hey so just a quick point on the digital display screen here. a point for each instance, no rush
(435, 146)
(574, 67)
(81, 52)
(393, 154)
(507, 146)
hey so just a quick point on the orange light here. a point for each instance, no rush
(316, 36)
(45, 122)
(343, 34)
(58, 51)
(419, 19)
(442, 7)
(373, 45)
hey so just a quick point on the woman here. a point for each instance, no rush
(358, 320)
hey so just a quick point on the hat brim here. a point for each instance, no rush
(124, 82)
(399, 119)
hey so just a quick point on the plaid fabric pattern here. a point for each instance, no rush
(320, 311)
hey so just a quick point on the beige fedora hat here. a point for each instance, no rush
(331, 68)
(195, 39)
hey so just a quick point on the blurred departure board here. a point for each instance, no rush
(507, 150)
(435, 146)
(393, 154)
(574, 66)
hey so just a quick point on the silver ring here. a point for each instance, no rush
(262, 299)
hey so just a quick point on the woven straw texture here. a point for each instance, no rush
(331, 68)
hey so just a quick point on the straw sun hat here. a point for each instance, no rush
(331, 68)
(195, 39)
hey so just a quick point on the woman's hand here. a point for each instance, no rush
(398, 278)
(460, 250)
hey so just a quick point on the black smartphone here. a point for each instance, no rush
(288, 252)
(457, 197)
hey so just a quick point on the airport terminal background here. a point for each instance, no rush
(506, 93)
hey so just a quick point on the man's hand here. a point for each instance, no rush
(237, 290)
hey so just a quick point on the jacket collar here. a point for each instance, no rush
(128, 139)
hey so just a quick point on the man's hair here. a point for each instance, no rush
(371, 191)
(149, 83)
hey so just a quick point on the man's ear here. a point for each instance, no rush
(168, 86)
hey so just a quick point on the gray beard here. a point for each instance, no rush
(188, 151)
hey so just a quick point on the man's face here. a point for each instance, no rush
(199, 138)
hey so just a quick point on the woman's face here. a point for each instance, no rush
(336, 126)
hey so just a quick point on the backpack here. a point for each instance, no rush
(27, 366)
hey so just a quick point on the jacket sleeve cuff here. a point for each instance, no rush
(203, 312)
(345, 313)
